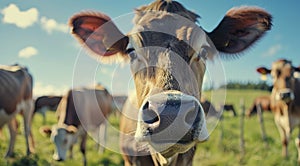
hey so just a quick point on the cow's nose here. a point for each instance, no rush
(172, 117)
(57, 158)
(163, 114)
(286, 95)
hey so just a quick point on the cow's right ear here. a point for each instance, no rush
(263, 70)
(98, 33)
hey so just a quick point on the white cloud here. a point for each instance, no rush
(51, 25)
(273, 50)
(41, 89)
(22, 19)
(27, 52)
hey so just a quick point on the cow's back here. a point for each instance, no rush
(85, 106)
(15, 87)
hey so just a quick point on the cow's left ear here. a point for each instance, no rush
(98, 33)
(240, 28)
(263, 70)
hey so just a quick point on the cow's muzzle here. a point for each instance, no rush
(56, 157)
(171, 117)
(285, 95)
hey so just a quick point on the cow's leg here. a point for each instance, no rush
(234, 112)
(102, 137)
(1, 134)
(44, 117)
(297, 142)
(13, 134)
(71, 152)
(27, 115)
(83, 147)
(284, 135)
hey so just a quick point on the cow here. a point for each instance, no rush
(208, 108)
(16, 97)
(45, 103)
(285, 100)
(167, 52)
(80, 111)
(264, 102)
(229, 107)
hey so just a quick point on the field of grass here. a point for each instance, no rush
(216, 151)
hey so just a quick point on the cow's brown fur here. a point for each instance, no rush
(82, 110)
(264, 102)
(285, 100)
(16, 91)
(171, 28)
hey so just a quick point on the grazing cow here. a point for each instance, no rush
(16, 97)
(167, 53)
(285, 100)
(45, 103)
(208, 108)
(82, 110)
(229, 107)
(264, 102)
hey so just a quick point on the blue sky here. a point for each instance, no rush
(34, 33)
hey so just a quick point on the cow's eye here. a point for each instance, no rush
(203, 53)
(131, 53)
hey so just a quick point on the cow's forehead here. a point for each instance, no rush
(281, 64)
(164, 23)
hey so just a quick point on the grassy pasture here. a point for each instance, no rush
(216, 151)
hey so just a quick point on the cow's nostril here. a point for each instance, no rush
(191, 116)
(150, 116)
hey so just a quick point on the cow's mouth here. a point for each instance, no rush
(170, 148)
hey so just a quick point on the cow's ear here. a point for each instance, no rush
(263, 70)
(45, 131)
(98, 33)
(71, 129)
(297, 69)
(240, 28)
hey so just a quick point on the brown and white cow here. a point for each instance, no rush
(45, 103)
(167, 53)
(82, 110)
(285, 100)
(16, 97)
(264, 102)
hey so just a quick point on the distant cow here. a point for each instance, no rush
(264, 102)
(45, 103)
(208, 108)
(167, 51)
(229, 107)
(82, 110)
(16, 97)
(285, 100)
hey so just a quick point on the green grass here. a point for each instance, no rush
(215, 151)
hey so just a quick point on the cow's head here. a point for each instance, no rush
(64, 138)
(283, 75)
(167, 52)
